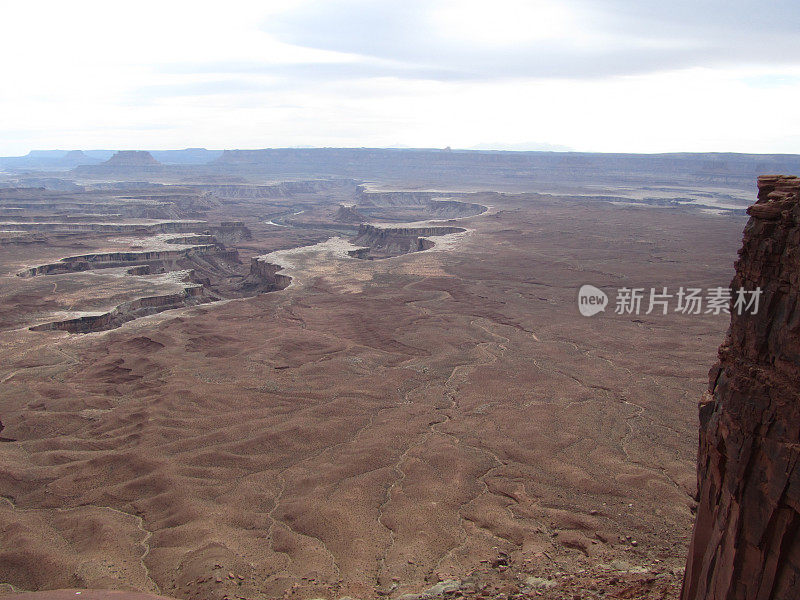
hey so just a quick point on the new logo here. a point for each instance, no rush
(591, 300)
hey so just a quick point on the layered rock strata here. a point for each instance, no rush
(383, 242)
(746, 541)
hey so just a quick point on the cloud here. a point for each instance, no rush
(545, 39)
(225, 87)
(313, 72)
(602, 75)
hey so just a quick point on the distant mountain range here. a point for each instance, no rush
(60, 160)
(481, 168)
(433, 168)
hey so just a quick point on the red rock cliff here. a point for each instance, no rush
(746, 541)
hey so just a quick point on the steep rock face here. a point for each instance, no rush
(433, 205)
(128, 311)
(383, 242)
(107, 260)
(264, 274)
(746, 541)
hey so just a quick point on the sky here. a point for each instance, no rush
(583, 75)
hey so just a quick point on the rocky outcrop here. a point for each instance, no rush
(430, 205)
(128, 311)
(362, 253)
(212, 276)
(383, 242)
(348, 214)
(746, 541)
(110, 260)
(264, 274)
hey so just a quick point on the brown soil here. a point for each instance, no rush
(377, 428)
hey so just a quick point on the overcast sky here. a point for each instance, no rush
(588, 75)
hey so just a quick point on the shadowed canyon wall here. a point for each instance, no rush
(746, 541)
(128, 311)
(267, 273)
(382, 242)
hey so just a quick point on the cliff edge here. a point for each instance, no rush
(746, 540)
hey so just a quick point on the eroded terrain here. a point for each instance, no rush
(321, 424)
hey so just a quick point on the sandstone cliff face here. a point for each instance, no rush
(746, 541)
(128, 311)
(265, 275)
(383, 242)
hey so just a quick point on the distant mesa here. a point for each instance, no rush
(124, 165)
(132, 158)
(128, 164)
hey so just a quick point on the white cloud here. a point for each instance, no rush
(241, 74)
(502, 22)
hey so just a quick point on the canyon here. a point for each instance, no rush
(353, 373)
